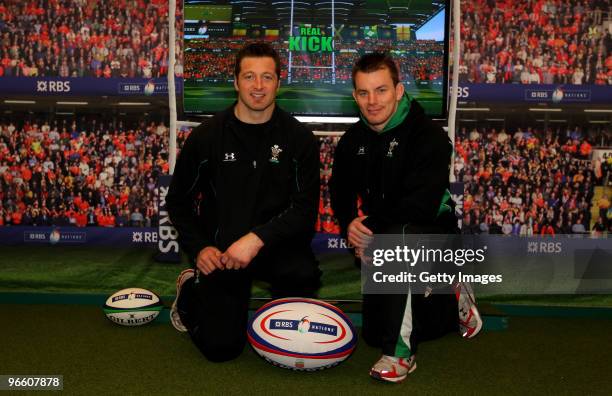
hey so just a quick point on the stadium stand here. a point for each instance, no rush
(528, 181)
(214, 60)
(79, 38)
(81, 172)
(84, 172)
(536, 41)
(326, 221)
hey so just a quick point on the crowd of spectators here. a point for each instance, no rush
(209, 59)
(326, 221)
(536, 42)
(81, 172)
(419, 60)
(80, 38)
(528, 181)
(503, 41)
(214, 60)
(87, 172)
(603, 168)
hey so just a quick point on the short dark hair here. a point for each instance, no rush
(374, 61)
(257, 50)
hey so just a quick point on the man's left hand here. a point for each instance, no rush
(240, 254)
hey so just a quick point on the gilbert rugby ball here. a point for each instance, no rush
(302, 334)
(133, 306)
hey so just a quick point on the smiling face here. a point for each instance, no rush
(377, 97)
(257, 85)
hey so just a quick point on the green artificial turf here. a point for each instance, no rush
(104, 270)
(83, 269)
(96, 270)
(96, 357)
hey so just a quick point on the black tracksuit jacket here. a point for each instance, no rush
(401, 175)
(223, 188)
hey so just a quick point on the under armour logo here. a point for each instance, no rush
(230, 157)
(361, 150)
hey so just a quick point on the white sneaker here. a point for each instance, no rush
(175, 318)
(470, 322)
(393, 369)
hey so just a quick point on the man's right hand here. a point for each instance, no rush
(209, 259)
(359, 235)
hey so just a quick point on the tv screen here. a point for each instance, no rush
(318, 43)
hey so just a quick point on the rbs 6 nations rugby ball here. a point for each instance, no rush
(133, 306)
(302, 334)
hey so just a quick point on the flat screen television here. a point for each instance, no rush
(318, 42)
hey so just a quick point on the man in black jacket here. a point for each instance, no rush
(244, 199)
(395, 161)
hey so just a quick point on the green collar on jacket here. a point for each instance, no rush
(403, 107)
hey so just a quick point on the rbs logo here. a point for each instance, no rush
(168, 236)
(462, 92)
(53, 86)
(544, 247)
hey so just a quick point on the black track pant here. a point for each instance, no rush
(397, 323)
(214, 307)
(397, 328)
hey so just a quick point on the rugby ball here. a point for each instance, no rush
(133, 306)
(302, 334)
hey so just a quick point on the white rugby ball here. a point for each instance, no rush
(133, 306)
(302, 334)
